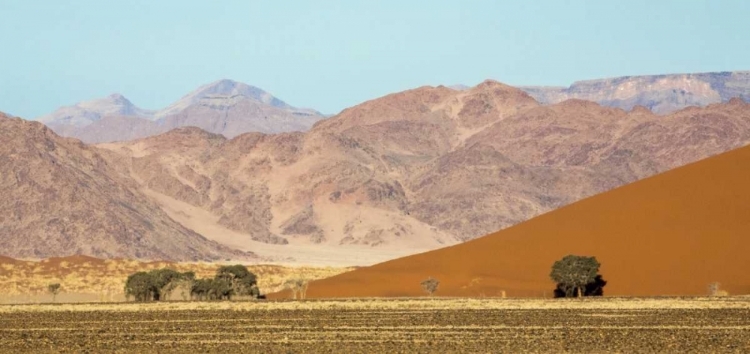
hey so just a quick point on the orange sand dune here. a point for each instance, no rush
(671, 234)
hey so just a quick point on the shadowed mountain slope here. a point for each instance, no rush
(61, 197)
(671, 234)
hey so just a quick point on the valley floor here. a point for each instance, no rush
(378, 325)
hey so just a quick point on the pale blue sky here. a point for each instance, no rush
(329, 55)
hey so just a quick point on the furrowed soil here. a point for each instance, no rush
(389, 326)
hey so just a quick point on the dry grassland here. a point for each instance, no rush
(86, 279)
(679, 325)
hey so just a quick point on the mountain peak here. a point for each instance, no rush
(118, 97)
(228, 87)
(489, 83)
(86, 112)
(223, 89)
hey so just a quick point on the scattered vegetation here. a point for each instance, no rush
(158, 284)
(86, 279)
(577, 276)
(430, 285)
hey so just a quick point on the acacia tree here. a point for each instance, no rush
(430, 285)
(53, 289)
(141, 286)
(240, 280)
(572, 273)
(147, 286)
(297, 286)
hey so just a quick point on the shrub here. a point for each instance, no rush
(714, 289)
(430, 285)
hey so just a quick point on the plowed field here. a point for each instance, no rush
(378, 326)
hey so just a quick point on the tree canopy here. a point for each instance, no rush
(572, 273)
(228, 281)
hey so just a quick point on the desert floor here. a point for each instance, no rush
(379, 325)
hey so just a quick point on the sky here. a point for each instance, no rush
(329, 55)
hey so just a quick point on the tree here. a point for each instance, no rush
(430, 285)
(160, 284)
(201, 288)
(297, 286)
(143, 286)
(572, 273)
(240, 280)
(53, 289)
(140, 286)
(162, 278)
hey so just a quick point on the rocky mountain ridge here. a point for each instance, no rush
(61, 197)
(421, 169)
(224, 107)
(660, 93)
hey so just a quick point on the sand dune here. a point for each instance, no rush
(671, 234)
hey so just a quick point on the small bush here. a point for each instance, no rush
(430, 285)
(714, 289)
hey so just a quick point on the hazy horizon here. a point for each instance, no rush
(332, 55)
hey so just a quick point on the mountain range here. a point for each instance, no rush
(397, 175)
(660, 93)
(420, 169)
(62, 197)
(224, 107)
(232, 108)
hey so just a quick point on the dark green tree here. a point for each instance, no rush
(140, 286)
(162, 278)
(147, 286)
(239, 279)
(220, 289)
(201, 288)
(572, 273)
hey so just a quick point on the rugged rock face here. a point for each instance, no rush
(427, 167)
(224, 107)
(660, 93)
(61, 197)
